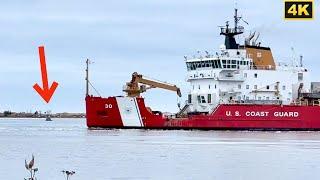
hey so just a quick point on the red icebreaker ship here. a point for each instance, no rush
(240, 87)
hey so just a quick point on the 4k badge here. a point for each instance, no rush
(298, 9)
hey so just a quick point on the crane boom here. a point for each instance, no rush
(139, 84)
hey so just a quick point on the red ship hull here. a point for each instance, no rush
(124, 112)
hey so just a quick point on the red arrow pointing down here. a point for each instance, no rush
(45, 92)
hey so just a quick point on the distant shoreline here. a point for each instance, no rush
(9, 114)
(41, 117)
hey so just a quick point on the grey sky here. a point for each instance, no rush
(148, 36)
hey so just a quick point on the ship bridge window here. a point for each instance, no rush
(204, 64)
(209, 98)
(189, 98)
(214, 64)
(218, 63)
(224, 62)
(191, 66)
(300, 76)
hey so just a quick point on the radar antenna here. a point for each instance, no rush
(229, 33)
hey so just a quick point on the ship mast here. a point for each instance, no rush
(229, 33)
(87, 77)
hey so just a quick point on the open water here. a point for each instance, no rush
(66, 144)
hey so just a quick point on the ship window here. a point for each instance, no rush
(219, 63)
(228, 61)
(209, 86)
(245, 75)
(224, 63)
(267, 98)
(203, 100)
(283, 87)
(234, 66)
(189, 98)
(247, 86)
(228, 66)
(199, 100)
(234, 62)
(203, 64)
(268, 87)
(199, 87)
(188, 66)
(255, 75)
(209, 98)
(213, 64)
(255, 86)
(239, 86)
(207, 64)
(259, 54)
(215, 86)
(300, 76)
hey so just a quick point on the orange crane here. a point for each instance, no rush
(139, 84)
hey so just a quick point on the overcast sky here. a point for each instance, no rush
(147, 36)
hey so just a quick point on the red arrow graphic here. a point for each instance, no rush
(45, 92)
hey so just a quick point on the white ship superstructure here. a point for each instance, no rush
(242, 74)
